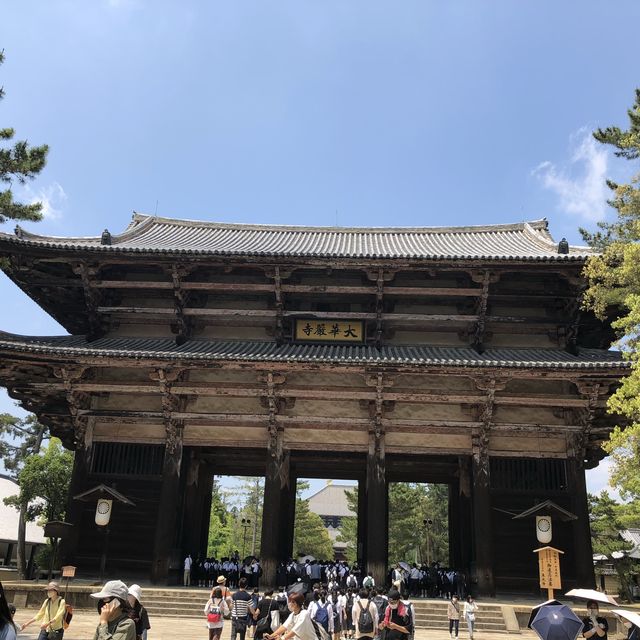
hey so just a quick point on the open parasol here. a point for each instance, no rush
(591, 594)
(534, 610)
(632, 616)
(557, 622)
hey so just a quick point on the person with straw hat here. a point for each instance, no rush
(51, 614)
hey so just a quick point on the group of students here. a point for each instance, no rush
(203, 572)
(318, 615)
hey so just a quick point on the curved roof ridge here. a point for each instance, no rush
(139, 218)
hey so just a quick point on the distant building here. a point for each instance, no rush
(9, 529)
(330, 503)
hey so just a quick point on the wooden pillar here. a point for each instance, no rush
(288, 516)
(455, 533)
(483, 534)
(195, 515)
(377, 528)
(164, 550)
(274, 522)
(78, 484)
(582, 549)
(465, 512)
(207, 491)
(361, 550)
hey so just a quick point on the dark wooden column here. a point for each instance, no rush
(198, 486)
(167, 523)
(361, 550)
(480, 472)
(465, 511)
(454, 526)
(582, 549)
(288, 516)
(377, 510)
(277, 516)
(78, 484)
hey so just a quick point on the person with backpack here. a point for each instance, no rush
(365, 616)
(381, 602)
(369, 582)
(51, 614)
(321, 611)
(241, 608)
(348, 625)
(398, 620)
(215, 610)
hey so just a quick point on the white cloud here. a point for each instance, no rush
(52, 197)
(598, 480)
(580, 187)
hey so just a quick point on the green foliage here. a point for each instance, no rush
(18, 163)
(349, 527)
(410, 504)
(219, 525)
(19, 439)
(606, 518)
(44, 484)
(309, 535)
(614, 291)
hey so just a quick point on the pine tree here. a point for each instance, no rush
(614, 291)
(19, 162)
(20, 438)
(310, 536)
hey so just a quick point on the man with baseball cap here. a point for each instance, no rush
(113, 607)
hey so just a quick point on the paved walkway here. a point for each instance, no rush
(84, 625)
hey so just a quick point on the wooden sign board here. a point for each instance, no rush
(549, 566)
(329, 331)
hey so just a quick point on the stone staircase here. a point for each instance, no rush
(430, 614)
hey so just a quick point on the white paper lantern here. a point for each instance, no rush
(543, 529)
(103, 512)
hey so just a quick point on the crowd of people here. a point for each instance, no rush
(335, 609)
(412, 580)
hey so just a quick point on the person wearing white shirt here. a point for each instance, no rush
(298, 625)
(469, 614)
(321, 610)
(364, 604)
(187, 570)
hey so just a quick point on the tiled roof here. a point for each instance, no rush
(166, 349)
(331, 500)
(149, 234)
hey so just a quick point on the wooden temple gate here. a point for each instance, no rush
(453, 355)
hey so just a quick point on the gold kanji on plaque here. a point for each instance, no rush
(329, 331)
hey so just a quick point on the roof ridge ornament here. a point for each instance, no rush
(563, 247)
(18, 231)
(105, 239)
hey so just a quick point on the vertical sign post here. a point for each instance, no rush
(549, 566)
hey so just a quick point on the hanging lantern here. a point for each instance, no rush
(543, 529)
(103, 512)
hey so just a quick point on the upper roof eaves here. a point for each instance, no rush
(156, 235)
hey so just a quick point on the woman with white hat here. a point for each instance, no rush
(139, 615)
(51, 615)
(114, 610)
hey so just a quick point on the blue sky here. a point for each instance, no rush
(362, 113)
